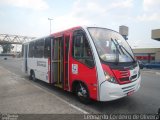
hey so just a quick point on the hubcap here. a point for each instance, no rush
(82, 92)
(32, 76)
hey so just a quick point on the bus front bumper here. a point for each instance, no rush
(110, 91)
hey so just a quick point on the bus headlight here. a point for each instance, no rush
(110, 78)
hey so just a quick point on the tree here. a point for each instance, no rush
(7, 48)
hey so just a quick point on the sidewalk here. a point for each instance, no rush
(18, 95)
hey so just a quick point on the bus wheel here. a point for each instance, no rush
(82, 93)
(32, 76)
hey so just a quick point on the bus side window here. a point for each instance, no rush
(22, 53)
(39, 48)
(47, 47)
(81, 50)
(31, 49)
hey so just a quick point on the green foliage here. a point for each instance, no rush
(7, 48)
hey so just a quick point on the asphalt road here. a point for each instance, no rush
(146, 100)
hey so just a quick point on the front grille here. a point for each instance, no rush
(124, 76)
(127, 78)
(128, 88)
(124, 79)
(124, 73)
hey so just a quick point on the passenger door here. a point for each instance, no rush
(66, 61)
(60, 61)
(25, 56)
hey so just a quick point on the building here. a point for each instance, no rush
(147, 55)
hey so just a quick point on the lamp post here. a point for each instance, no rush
(50, 20)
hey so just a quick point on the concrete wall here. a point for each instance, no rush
(158, 55)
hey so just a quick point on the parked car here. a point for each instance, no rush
(153, 65)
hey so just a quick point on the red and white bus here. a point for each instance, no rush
(95, 63)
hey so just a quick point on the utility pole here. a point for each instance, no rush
(50, 20)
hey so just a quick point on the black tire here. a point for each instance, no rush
(82, 93)
(32, 76)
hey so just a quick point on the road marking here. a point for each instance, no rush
(153, 72)
(149, 71)
(71, 105)
(157, 73)
(10, 72)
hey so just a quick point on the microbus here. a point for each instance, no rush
(92, 62)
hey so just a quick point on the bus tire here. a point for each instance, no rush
(32, 76)
(82, 93)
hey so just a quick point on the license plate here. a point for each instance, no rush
(130, 93)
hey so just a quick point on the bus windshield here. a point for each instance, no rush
(111, 46)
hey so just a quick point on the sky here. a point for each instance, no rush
(30, 17)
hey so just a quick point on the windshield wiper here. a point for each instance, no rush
(125, 50)
(117, 55)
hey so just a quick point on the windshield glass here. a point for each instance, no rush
(111, 46)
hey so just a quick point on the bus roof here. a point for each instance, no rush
(77, 27)
(67, 30)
